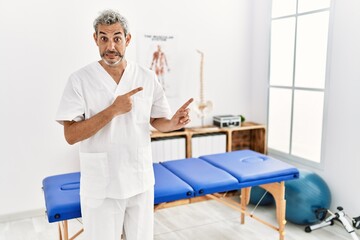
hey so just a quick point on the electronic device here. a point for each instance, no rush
(227, 121)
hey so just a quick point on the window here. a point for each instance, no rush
(298, 54)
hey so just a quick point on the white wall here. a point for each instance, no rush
(260, 35)
(341, 144)
(42, 42)
(342, 159)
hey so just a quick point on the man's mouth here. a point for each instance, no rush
(111, 54)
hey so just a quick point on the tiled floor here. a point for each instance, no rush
(208, 220)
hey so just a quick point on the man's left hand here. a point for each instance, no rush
(181, 117)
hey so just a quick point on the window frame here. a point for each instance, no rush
(289, 157)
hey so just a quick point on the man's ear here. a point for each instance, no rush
(95, 38)
(128, 39)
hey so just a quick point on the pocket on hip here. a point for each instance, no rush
(95, 174)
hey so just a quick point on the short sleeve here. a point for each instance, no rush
(160, 107)
(72, 107)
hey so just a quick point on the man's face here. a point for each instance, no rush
(112, 43)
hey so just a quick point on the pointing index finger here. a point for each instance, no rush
(134, 91)
(183, 107)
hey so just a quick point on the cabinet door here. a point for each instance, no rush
(205, 144)
(168, 148)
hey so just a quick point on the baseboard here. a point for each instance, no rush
(22, 215)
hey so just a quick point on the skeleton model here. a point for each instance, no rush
(202, 107)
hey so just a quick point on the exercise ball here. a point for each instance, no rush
(304, 195)
(257, 193)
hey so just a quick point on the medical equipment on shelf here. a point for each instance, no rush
(348, 223)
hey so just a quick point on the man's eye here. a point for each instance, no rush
(104, 39)
(117, 39)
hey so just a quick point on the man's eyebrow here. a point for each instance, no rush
(117, 33)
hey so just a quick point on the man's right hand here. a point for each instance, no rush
(123, 103)
(78, 131)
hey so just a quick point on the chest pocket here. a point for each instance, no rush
(142, 109)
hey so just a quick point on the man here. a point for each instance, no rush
(107, 106)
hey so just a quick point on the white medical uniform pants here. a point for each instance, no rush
(105, 219)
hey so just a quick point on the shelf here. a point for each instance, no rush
(249, 136)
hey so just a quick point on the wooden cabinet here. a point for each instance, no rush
(249, 136)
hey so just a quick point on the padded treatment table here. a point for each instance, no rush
(180, 180)
(62, 197)
(169, 187)
(203, 177)
(252, 168)
(62, 201)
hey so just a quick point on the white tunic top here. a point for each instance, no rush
(116, 162)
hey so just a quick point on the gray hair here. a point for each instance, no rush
(109, 17)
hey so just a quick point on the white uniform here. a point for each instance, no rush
(116, 162)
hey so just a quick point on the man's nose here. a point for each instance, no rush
(111, 45)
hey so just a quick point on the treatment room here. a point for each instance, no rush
(230, 119)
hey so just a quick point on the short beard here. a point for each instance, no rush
(112, 64)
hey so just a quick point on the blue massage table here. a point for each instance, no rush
(208, 176)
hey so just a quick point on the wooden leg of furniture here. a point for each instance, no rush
(278, 192)
(63, 227)
(59, 228)
(65, 230)
(244, 201)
